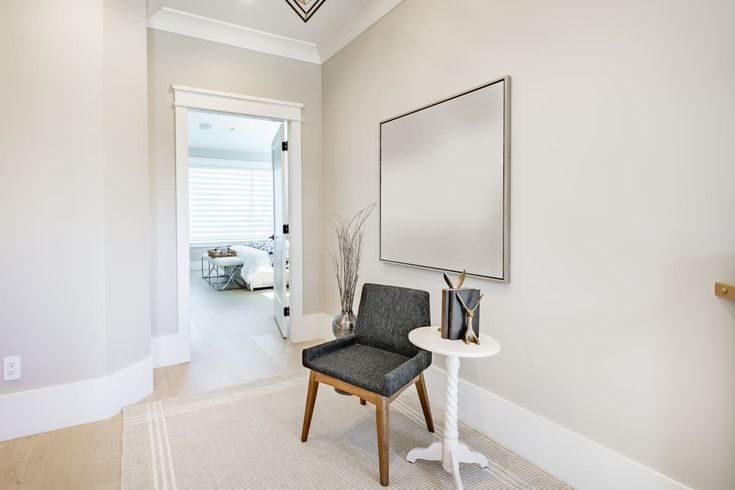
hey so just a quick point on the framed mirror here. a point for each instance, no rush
(445, 184)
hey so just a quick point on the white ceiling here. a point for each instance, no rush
(231, 133)
(270, 26)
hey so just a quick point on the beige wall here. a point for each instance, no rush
(72, 153)
(127, 207)
(175, 59)
(622, 206)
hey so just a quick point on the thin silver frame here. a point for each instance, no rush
(505, 80)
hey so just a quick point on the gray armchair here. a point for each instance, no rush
(378, 362)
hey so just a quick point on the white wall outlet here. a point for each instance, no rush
(11, 368)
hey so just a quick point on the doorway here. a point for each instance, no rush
(283, 158)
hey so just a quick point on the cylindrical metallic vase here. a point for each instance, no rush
(344, 324)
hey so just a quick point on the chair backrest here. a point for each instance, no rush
(387, 314)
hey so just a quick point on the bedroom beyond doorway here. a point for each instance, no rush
(236, 205)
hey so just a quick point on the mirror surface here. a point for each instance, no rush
(444, 184)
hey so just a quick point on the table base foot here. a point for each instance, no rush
(454, 460)
(459, 454)
(467, 455)
(431, 453)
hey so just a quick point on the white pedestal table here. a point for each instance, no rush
(450, 451)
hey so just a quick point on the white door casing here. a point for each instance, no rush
(174, 349)
(280, 236)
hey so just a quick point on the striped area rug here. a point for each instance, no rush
(248, 437)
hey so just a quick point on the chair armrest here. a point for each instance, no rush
(403, 374)
(311, 353)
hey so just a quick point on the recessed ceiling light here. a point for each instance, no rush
(205, 126)
(232, 129)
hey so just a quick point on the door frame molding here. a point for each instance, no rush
(186, 98)
(281, 136)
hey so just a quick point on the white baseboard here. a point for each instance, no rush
(312, 327)
(167, 350)
(57, 407)
(571, 457)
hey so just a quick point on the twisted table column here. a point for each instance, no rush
(451, 434)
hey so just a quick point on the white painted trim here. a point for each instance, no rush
(224, 102)
(167, 350)
(180, 89)
(571, 457)
(166, 355)
(355, 25)
(178, 22)
(192, 25)
(174, 349)
(56, 407)
(294, 200)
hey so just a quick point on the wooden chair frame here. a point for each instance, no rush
(382, 416)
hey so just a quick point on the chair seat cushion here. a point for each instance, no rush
(372, 369)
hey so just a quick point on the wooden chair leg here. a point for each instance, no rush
(310, 401)
(421, 388)
(362, 402)
(382, 420)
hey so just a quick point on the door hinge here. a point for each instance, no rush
(286, 311)
(285, 229)
(284, 145)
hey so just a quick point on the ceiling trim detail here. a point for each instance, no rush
(179, 22)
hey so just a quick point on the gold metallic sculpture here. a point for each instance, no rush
(460, 280)
(470, 335)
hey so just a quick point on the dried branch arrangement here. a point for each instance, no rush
(350, 248)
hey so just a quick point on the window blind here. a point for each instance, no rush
(229, 201)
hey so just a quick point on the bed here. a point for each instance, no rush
(257, 270)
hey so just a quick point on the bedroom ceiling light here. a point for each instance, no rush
(205, 126)
(305, 8)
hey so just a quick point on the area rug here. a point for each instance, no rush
(247, 437)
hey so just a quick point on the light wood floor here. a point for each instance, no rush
(234, 340)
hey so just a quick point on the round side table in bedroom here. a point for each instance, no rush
(450, 451)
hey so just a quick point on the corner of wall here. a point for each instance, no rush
(61, 406)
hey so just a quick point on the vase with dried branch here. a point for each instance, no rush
(346, 260)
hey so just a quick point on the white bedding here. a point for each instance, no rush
(257, 271)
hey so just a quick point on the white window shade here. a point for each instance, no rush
(229, 201)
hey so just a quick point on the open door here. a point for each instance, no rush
(279, 150)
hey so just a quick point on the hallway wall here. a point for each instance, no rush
(176, 59)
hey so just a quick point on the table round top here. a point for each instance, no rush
(429, 338)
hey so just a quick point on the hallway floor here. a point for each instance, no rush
(234, 340)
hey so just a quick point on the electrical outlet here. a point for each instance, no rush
(11, 368)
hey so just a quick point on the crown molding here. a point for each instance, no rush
(178, 22)
(184, 23)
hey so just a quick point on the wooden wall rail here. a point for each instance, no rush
(725, 290)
